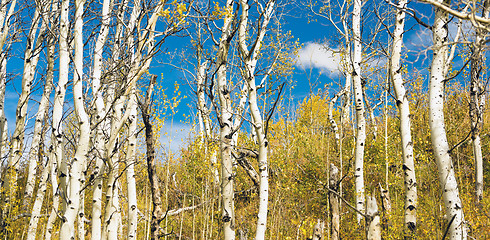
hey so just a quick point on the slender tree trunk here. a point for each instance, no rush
(101, 122)
(75, 178)
(5, 28)
(360, 110)
(334, 202)
(405, 123)
(130, 175)
(31, 57)
(158, 213)
(44, 8)
(250, 59)
(447, 178)
(43, 182)
(227, 175)
(477, 102)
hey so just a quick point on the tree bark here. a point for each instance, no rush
(75, 177)
(158, 214)
(226, 134)
(360, 110)
(477, 101)
(372, 219)
(334, 203)
(447, 178)
(405, 123)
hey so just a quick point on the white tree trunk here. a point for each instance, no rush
(405, 123)
(227, 175)
(250, 57)
(75, 178)
(44, 8)
(4, 31)
(31, 57)
(334, 202)
(447, 178)
(43, 181)
(372, 219)
(130, 176)
(360, 118)
(101, 122)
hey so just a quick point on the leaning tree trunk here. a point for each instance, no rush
(158, 212)
(31, 57)
(447, 178)
(43, 181)
(405, 129)
(360, 118)
(44, 8)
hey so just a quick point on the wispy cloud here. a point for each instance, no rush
(315, 55)
(175, 137)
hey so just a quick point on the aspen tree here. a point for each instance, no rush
(100, 118)
(477, 100)
(44, 8)
(130, 164)
(75, 179)
(56, 148)
(360, 111)
(227, 175)
(447, 178)
(5, 30)
(31, 57)
(43, 181)
(405, 123)
(249, 58)
(334, 202)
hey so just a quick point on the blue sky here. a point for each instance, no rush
(314, 62)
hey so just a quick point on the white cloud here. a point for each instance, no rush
(315, 55)
(174, 138)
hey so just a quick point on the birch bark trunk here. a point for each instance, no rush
(4, 31)
(334, 202)
(56, 150)
(44, 8)
(360, 111)
(43, 181)
(31, 57)
(226, 135)
(75, 178)
(130, 176)
(405, 123)
(447, 178)
(250, 57)
(102, 122)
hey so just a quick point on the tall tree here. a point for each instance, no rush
(249, 58)
(396, 70)
(359, 104)
(225, 121)
(447, 178)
